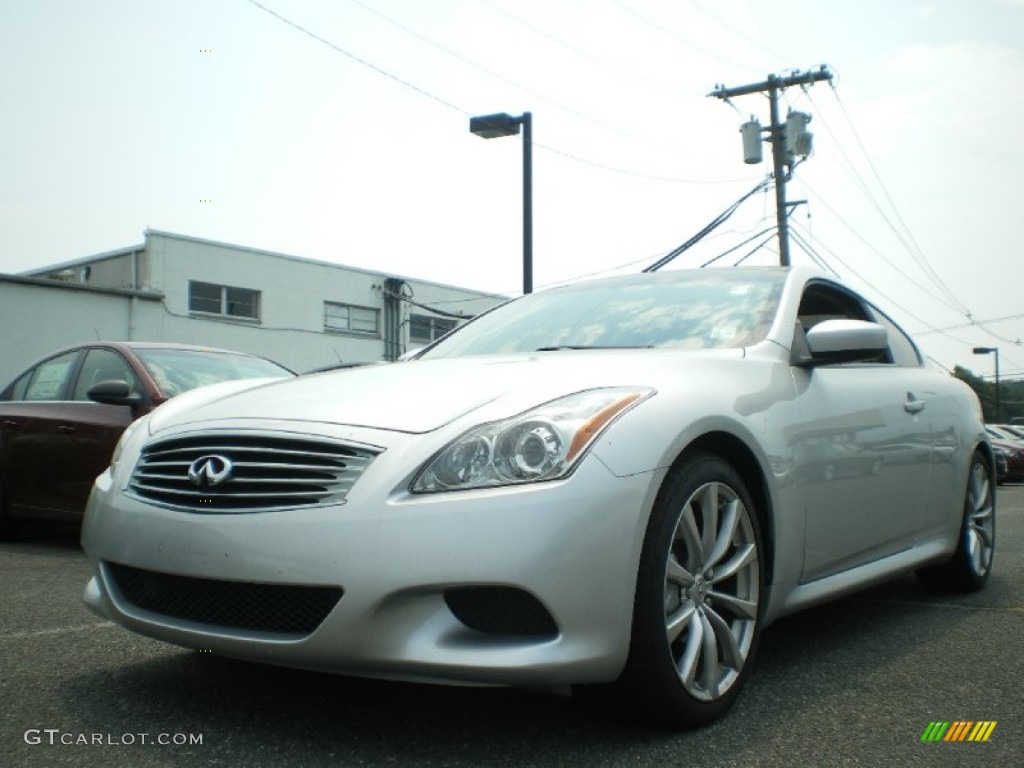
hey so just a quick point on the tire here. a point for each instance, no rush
(697, 611)
(969, 567)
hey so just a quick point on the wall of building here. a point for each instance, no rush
(290, 328)
(41, 316)
(121, 270)
(293, 291)
(86, 303)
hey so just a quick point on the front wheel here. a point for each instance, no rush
(969, 567)
(697, 610)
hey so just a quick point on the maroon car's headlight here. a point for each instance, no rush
(544, 443)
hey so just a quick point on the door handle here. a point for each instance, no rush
(913, 405)
(11, 424)
(65, 428)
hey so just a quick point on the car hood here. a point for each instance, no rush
(423, 395)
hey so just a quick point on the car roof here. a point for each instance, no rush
(133, 345)
(687, 273)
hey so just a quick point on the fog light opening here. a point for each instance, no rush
(501, 611)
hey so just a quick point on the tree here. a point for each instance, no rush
(1011, 395)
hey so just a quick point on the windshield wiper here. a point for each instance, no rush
(591, 346)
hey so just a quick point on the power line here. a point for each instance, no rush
(914, 251)
(755, 249)
(520, 86)
(515, 84)
(978, 324)
(627, 172)
(812, 252)
(907, 239)
(975, 322)
(606, 271)
(580, 52)
(853, 230)
(467, 113)
(866, 282)
(770, 230)
(940, 365)
(708, 228)
(360, 60)
(686, 43)
(775, 55)
(435, 310)
(851, 168)
(800, 241)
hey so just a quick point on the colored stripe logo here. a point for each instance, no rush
(959, 730)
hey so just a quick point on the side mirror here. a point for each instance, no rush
(114, 392)
(844, 341)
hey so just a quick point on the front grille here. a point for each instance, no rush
(278, 608)
(247, 472)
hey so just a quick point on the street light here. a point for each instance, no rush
(502, 124)
(992, 351)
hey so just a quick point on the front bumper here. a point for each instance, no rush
(573, 545)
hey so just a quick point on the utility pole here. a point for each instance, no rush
(782, 145)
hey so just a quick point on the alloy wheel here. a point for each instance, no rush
(712, 590)
(979, 522)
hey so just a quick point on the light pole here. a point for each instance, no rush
(992, 351)
(502, 124)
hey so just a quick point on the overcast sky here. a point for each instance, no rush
(347, 140)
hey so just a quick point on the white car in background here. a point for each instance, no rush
(617, 483)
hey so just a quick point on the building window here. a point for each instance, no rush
(424, 329)
(345, 317)
(223, 300)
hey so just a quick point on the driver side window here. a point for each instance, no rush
(822, 302)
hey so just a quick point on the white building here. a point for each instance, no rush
(299, 312)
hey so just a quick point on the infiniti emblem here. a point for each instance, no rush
(210, 470)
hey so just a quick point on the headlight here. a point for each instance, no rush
(125, 437)
(544, 443)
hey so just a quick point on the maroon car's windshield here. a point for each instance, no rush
(179, 370)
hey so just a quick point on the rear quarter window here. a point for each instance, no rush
(48, 380)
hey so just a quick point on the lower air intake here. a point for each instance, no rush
(282, 609)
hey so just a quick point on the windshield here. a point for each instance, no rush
(179, 370)
(690, 310)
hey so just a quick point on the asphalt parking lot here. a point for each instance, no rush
(853, 683)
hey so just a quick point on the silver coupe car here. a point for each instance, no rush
(614, 485)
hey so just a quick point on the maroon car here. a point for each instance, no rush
(61, 418)
(1013, 451)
